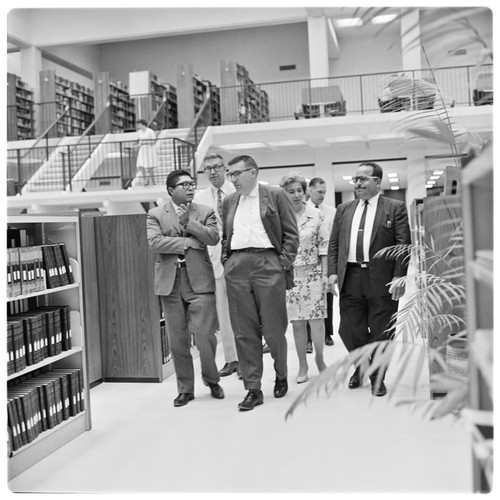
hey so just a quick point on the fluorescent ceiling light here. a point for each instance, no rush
(434, 177)
(393, 179)
(394, 188)
(386, 18)
(347, 177)
(244, 145)
(392, 174)
(431, 182)
(349, 22)
(346, 138)
(438, 172)
(291, 142)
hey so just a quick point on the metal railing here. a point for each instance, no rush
(360, 93)
(107, 164)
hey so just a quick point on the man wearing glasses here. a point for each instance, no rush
(360, 229)
(213, 196)
(179, 233)
(259, 244)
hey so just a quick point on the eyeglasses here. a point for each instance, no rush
(214, 168)
(363, 178)
(236, 173)
(186, 185)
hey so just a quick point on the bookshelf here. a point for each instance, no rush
(20, 109)
(48, 384)
(237, 90)
(115, 95)
(191, 94)
(149, 94)
(58, 94)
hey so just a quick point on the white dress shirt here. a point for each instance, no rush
(367, 234)
(248, 230)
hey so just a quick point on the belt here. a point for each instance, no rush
(362, 265)
(181, 264)
(252, 249)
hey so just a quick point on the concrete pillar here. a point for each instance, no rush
(317, 34)
(410, 40)
(31, 65)
(416, 174)
(323, 168)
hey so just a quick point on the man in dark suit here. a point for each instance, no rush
(361, 228)
(179, 233)
(259, 244)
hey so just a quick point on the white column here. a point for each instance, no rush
(31, 65)
(416, 175)
(317, 34)
(323, 168)
(410, 40)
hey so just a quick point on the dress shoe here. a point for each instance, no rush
(252, 399)
(381, 390)
(228, 369)
(280, 388)
(183, 398)
(309, 348)
(216, 391)
(301, 379)
(355, 380)
(265, 349)
(328, 341)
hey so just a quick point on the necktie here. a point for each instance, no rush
(219, 202)
(361, 231)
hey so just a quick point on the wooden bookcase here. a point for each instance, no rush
(191, 94)
(20, 109)
(237, 91)
(115, 95)
(57, 94)
(124, 313)
(43, 230)
(149, 94)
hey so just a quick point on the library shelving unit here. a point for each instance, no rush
(115, 95)
(20, 109)
(477, 185)
(242, 101)
(149, 94)
(47, 230)
(191, 94)
(57, 94)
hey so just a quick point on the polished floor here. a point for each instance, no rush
(348, 442)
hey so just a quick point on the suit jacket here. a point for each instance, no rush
(167, 239)
(205, 197)
(278, 218)
(390, 227)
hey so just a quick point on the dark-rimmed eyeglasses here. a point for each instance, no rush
(363, 178)
(214, 168)
(186, 185)
(236, 173)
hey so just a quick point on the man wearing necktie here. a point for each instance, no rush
(213, 196)
(361, 228)
(259, 244)
(179, 233)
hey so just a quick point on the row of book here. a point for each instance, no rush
(36, 335)
(36, 268)
(42, 402)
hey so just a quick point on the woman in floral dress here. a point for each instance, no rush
(306, 301)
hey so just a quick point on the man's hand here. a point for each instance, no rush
(397, 288)
(184, 212)
(332, 282)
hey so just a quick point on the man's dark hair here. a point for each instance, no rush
(377, 169)
(174, 175)
(143, 122)
(247, 160)
(315, 181)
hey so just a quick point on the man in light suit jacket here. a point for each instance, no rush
(361, 228)
(179, 233)
(213, 196)
(259, 244)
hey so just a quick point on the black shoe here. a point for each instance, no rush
(309, 348)
(183, 399)
(228, 369)
(355, 380)
(252, 399)
(265, 349)
(216, 391)
(381, 390)
(328, 341)
(280, 388)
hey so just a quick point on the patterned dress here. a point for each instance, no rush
(306, 300)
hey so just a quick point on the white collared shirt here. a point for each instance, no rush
(248, 230)
(367, 234)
